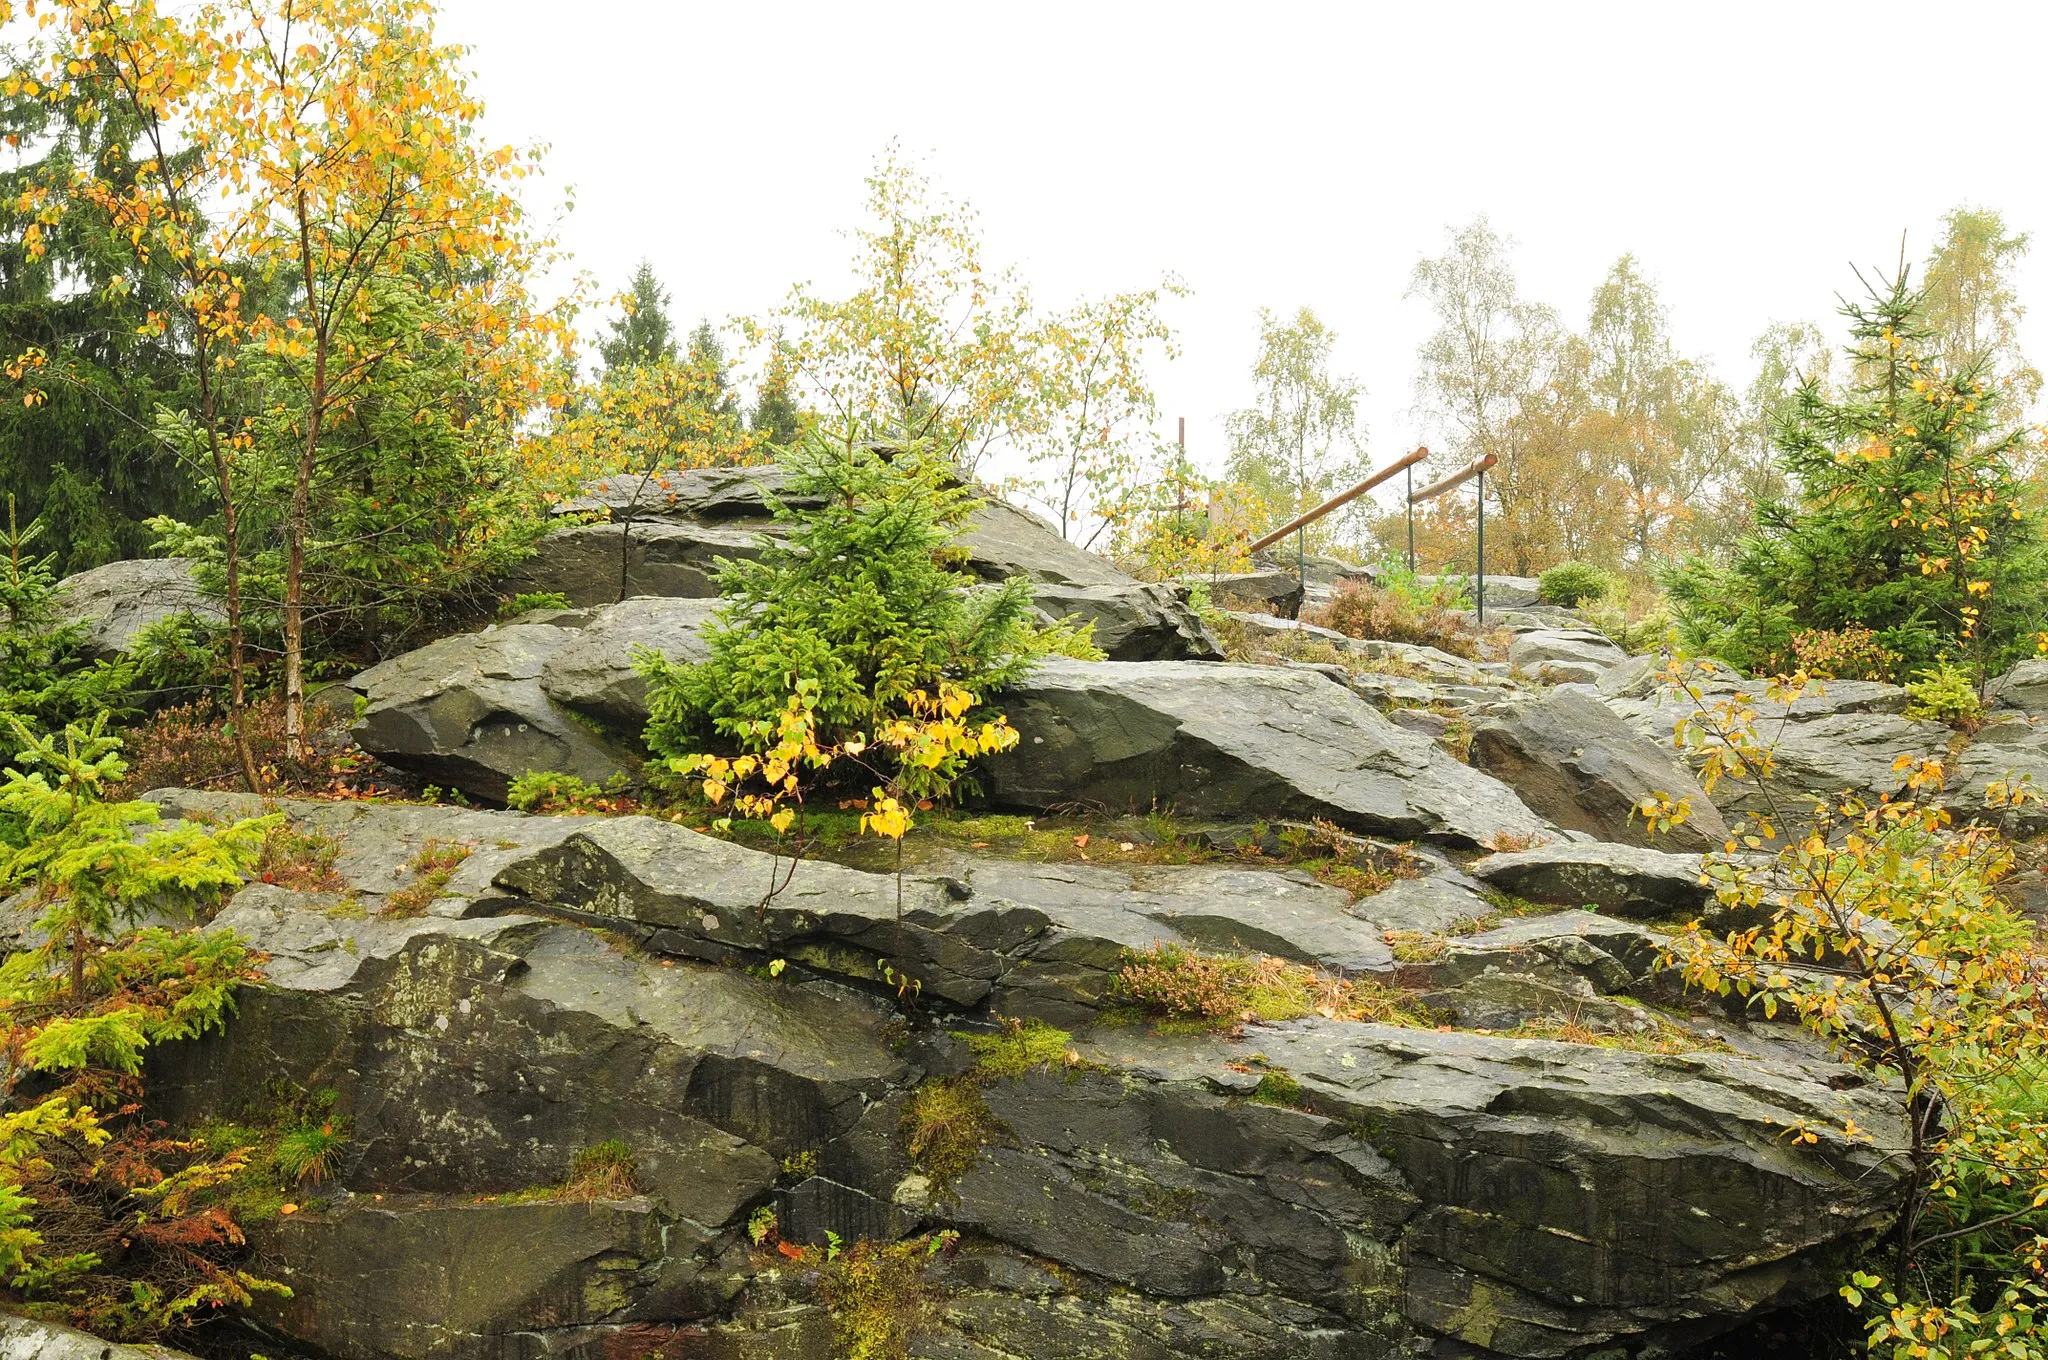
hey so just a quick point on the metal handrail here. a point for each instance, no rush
(1458, 478)
(1340, 500)
(1476, 468)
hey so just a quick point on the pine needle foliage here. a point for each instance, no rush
(861, 596)
(1910, 518)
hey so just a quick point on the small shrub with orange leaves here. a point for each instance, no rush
(192, 746)
(1844, 654)
(1362, 610)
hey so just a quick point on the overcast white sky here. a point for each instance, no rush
(1278, 154)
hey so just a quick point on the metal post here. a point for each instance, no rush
(1409, 505)
(1482, 547)
(1180, 478)
(1301, 564)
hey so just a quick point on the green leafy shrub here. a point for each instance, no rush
(1945, 694)
(1572, 584)
(858, 598)
(1843, 654)
(526, 601)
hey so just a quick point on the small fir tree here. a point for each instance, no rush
(860, 598)
(644, 334)
(776, 419)
(1909, 519)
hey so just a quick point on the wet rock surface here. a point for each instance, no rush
(1625, 880)
(1413, 1192)
(1576, 762)
(471, 711)
(1231, 741)
(120, 599)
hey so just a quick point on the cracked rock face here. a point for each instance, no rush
(1575, 761)
(1418, 1191)
(1231, 742)
(683, 523)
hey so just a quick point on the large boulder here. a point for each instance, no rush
(595, 670)
(120, 599)
(1560, 656)
(1233, 742)
(1623, 880)
(1134, 622)
(1574, 760)
(26, 1339)
(471, 712)
(1266, 590)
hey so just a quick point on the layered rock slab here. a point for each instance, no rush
(1484, 1196)
(1562, 1196)
(1575, 761)
(1232, 742)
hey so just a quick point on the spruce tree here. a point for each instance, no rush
(1909, 518)
(644, 335)
(776, 417)
(707, 352)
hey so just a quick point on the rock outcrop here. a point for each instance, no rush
(1230, 742)
(1573, 760)
(1413, 1191)
(664, 537)
(120, 599)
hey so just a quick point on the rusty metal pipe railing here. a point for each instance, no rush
(1339, 501)
(1458, 478)
(1476, 468)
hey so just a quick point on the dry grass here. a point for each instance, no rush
(300, 858)
(605, 1171)
(432, 867)
(1180, 988)
(1361, 610)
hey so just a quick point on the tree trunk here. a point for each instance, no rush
(296, 523)
(231, 548)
